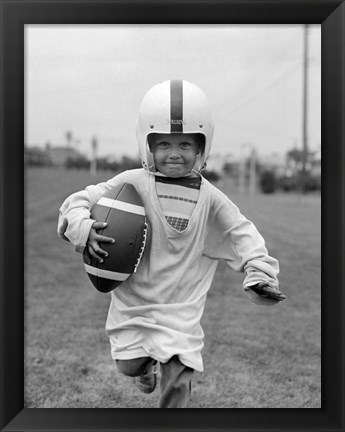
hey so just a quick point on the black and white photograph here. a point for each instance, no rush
(172, 216)
(172, 228)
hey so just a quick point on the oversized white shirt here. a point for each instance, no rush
(156, 312)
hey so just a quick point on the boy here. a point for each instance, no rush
(154, 316)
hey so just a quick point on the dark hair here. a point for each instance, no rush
(201, 142)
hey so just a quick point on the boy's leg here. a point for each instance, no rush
(135, 367)
(176, 384)
(144, 371)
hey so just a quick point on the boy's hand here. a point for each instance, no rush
(92, 246)
(266, 291)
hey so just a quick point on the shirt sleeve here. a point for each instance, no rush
(75, 222)
(235, 239)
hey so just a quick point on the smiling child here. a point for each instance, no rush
(154, 316)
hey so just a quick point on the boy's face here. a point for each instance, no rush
(174, 154)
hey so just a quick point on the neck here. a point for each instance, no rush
(192, 174)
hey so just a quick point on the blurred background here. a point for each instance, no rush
(83, 88)
(84, 85)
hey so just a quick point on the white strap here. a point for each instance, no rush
(106, 274)
(121, 205)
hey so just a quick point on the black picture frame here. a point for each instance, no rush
(14, 16)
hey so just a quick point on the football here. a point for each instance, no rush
(123, 210)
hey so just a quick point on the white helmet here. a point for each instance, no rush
(174, 106)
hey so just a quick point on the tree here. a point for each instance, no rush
(268, 182)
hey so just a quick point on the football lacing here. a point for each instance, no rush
(143, 243)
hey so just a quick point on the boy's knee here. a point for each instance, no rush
(133, 367)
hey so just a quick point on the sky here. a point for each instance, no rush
(90, 80)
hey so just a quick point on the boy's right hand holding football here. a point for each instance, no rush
(92, 247)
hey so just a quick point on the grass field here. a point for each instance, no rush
(254, 356)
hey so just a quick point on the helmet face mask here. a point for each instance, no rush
(170, 107)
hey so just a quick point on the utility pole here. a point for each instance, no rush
(242, 169)
(93, 164)
(252, 172)
(305, 107)
(69, 138)
(242, 172)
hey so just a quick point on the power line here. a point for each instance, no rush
(267, 87)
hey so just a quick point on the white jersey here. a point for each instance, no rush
(156, 312)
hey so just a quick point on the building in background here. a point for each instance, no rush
(59, 155)
(50, 155)
(36, 156)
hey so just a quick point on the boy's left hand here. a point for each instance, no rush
(266, 291)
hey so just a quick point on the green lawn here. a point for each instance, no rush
(254, 357)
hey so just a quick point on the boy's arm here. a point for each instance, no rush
(235, 239)
(261, 270)
(74, 223)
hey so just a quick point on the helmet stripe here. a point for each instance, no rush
(176, 108)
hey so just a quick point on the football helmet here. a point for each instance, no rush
(174, 106)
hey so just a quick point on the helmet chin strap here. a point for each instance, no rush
(202, 165)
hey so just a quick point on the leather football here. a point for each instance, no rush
(123, 210)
